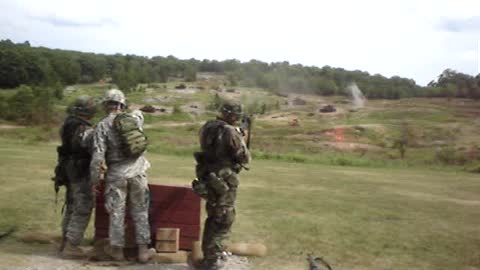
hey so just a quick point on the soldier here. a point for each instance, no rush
(74, 160)
(125, 176)
(224, 154)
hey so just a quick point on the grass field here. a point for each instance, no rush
(374, 211)
(356, 218)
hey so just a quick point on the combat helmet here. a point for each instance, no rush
(231, 107)
(84, 105)
(114, 95)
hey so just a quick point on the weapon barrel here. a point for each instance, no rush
(313, 264)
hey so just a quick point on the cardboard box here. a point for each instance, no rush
(167, 239)
(168, 234)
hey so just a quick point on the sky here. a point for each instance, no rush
(412, 39)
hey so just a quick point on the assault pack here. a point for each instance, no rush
(133, 141)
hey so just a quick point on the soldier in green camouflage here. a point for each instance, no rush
(75, 156)
(224, 153)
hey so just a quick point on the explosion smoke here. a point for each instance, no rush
(357, 95)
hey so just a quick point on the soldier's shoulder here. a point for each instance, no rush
(212, 124)
(105, 123)
(70, 119)
(74, 122)
(233, 129)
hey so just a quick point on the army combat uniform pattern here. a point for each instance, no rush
(224, 153)
(76, 135)
(125, 178)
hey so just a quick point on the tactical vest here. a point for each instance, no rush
(133, 141)
(70, 148)
(210, 137)
(215, 148)
(71, 155)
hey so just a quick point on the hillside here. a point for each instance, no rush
(329, 183)
(430, 132)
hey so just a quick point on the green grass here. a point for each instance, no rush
(432, 120)
(356, 218)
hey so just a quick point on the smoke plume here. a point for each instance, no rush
(357, 95)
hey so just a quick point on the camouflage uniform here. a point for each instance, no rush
(76, 136)
(125, 178)
(223, 153)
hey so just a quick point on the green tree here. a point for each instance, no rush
(190, 73)
(12, 69)
(22, 104)
(4, 108)
(324, 86)
(67, 68)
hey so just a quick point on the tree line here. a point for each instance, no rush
(21, 64)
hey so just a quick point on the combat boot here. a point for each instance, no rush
(143, 253)
(72, 251)
(211, 265)
(115, 252)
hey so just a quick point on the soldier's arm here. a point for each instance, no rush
(140, 118)
(85, 137)
(99, 147)
(237, 145)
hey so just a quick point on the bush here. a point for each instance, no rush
(190, 74)
(448, 155)
(30, 105)
(216, 103)
(473, 167)
(342, 161)
(177, 109)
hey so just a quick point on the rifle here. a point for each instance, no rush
(60, 177)
(247, 122)
(8, 232)
(314, 263)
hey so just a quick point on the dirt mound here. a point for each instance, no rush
(181, 86)
(195, 108)
(152, 110)
(328, 109)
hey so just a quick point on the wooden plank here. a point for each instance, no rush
(185, 230)
(168, 234)
(166, 246)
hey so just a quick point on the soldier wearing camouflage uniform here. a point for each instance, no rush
(224, 154)
(125, 178)
(75, 154)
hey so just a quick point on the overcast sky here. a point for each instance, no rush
(414, 39)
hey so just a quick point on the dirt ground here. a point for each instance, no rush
(6, 126)
(49, 260)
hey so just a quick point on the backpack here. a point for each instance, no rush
(133, 141)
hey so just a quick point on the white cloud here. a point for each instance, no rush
(388, 37)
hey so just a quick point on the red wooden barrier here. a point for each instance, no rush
(170, 207)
